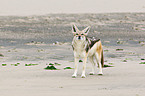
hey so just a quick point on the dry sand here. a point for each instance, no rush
(32, 39)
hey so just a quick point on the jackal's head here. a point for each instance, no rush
(80, 35)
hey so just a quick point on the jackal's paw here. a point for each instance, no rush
(100, 73)
(74, 76)
(92, 73)
(83, 76)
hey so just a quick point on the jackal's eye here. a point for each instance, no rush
(77, 34)
(82, 34)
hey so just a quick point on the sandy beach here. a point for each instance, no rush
(28, 44)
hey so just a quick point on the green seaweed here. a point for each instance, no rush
(51, 64)
(4, 64)
(67, 68)
(124, 60)
(107, 66)
(142, 63)
(30, 64)
(110, 63)
(15, 64)
(51, 68)
(57, 64)
(119, 49)
(1, 55)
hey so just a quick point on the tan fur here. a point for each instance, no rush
(99, 50)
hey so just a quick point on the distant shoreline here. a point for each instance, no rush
(45, 14)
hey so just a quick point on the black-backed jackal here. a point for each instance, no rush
(84, 47)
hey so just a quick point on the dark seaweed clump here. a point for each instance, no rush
(50, 67)
(105, 66)
(67, 68)
(142, 63)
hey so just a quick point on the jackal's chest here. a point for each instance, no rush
(79, 53)
(79, 50)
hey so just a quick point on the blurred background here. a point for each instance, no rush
(43, 7)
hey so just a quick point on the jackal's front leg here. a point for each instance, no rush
(84, 67)
(76, 59)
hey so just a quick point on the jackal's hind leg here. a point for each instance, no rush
(98, 59)
(93, 65)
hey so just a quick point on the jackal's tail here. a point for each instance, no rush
(102, 59)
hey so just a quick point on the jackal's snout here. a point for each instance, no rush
(79, 37)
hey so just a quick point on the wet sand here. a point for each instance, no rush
(47, 39)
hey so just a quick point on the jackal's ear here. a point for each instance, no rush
(86, 30)
(74, 29)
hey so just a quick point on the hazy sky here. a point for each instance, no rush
(41, 7)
